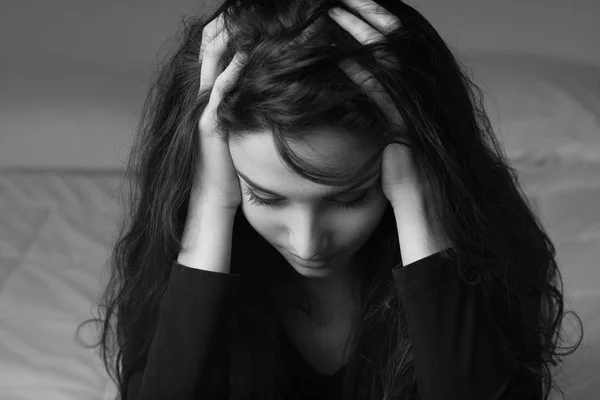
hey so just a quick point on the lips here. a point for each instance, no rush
(314, 260)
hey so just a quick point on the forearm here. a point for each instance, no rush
(207, 239)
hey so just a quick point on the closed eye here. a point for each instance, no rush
(259, 201)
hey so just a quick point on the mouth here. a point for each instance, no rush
(315, 262)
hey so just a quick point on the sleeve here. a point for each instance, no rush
(188, 357)
(455, 353)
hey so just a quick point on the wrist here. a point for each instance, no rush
(203, 222)
(419, 233)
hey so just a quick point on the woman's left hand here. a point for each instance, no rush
(402, 181)
(400, 177)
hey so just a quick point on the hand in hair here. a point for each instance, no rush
(402, 181)
(215, 194)
(216, 180)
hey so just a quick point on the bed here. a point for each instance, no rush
(57, 228)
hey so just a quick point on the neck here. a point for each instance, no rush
(317, 297)
(326, 300)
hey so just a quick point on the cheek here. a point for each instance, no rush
(260, 218)
(357, 225)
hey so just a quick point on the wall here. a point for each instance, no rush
(74, 73)
(562, 28)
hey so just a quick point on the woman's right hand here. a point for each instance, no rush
(215, 180)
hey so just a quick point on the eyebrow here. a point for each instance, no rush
(370, 179)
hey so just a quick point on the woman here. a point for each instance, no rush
(321, 210)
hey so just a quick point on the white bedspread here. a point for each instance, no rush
(55, 232)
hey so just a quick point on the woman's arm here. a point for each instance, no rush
(456, 354)
(189, 356)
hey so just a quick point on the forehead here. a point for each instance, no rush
(330, 150)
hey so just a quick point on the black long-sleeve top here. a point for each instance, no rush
(455, 355)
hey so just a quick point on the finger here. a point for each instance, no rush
(375, 91)
(358, 28)
(230, 75)
(363, 32)
(375, 14)
(221, 85)
(210, 32)
(211, 65)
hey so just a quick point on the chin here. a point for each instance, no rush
(318, 272)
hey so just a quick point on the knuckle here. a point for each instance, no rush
(205, 124)
(219, 85)
(208, 33)
(211, 48)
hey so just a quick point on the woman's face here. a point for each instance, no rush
(302, 219)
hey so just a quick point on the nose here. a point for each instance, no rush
(307, 235)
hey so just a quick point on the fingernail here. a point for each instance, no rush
(334, 11)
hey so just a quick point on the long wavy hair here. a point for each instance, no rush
(291, 84)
